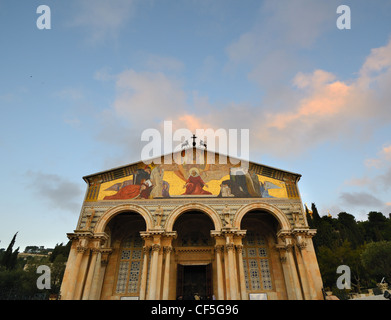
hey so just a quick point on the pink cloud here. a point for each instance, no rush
(387, 152)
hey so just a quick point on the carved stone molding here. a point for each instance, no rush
(193, 249)
(81, 249)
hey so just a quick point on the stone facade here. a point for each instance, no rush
(164, 247)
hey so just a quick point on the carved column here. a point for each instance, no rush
(101, 270)
(75, 278)
(302, 273)
(312, 267)
(91, 287)
(294, 272)
(90, 274)
(242, 281)
(159, 277)
(301, 243)
(153, 272)
(95, 278)
(76, 272)
(220, 285)
(286, 246)
(282, 249)
(144, 274)
(166, 279)
(226, 275)
(232, 275)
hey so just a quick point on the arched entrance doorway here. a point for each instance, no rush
(261, 262)
(125, 264)
(194, 248)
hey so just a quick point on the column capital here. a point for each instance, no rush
(146, 249)
(230, 246)
(167, 249)
(219, 248)
(283, 259)
(282, 248)
(239, 248)
(81, 249)
(95, 250)
(156, 247)
(105, 253)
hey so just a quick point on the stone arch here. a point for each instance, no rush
(276, 212)
(112, 212)
(193, 206)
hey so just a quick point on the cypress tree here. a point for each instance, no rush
(9, 257)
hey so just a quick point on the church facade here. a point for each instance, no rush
(210, 229)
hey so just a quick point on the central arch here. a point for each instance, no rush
(193, 207)
(276, 212)
(111, 213)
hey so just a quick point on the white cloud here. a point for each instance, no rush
(357, 199)
(56, 191)
(283, 27)
(144, 97)
(318, 107)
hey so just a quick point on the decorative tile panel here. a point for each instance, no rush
(256, 264)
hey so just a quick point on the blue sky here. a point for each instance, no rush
(75, 99)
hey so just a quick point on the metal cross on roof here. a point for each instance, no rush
(194, 137)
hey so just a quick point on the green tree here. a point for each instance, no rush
(376, 258)
(327, 234)
(60, 249)
(9, 257)
(348, 229)
(376, 225)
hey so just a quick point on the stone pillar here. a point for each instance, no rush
(242, 281)
(81, 277)
(144, 274)
(95, 278)
(287, 272)
(166, 279)
(301, 243)
(302, 273)
(232, 275)
(66, 281)
(100, 273)
(294, 272)
(75, 274)
(220, 282)
(286, 243)
(159, 274)
(90, 273)
(226, 275)
(153, 272)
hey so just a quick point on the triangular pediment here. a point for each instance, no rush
(192, 173)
